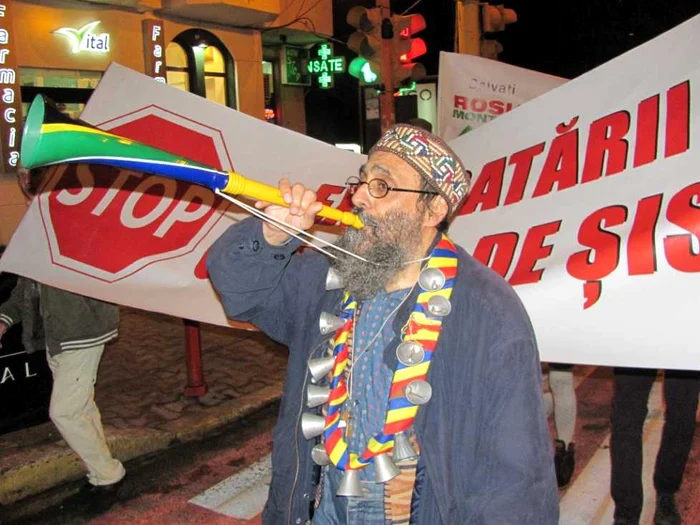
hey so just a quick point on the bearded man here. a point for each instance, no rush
(419, 398)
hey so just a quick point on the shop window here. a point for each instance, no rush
(269, 89)
(69, 89)
(214, 75)
(177, 68)
(202, 65)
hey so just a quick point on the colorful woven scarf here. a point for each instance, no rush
(423, 328)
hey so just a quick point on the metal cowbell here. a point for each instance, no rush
(330, 323)
(418, 392)
(316, 395)
(410, 353)
(320, 367)
(384, 468)
(312, 425)
(319, 455)
(431, 279)
(403, 449)
(439, 305)
(350, 484)
(333, 280)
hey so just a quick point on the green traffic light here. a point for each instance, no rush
(368, 75)
(361, 69)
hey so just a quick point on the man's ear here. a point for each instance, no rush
(436, 212)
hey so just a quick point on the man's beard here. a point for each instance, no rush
(389, 241)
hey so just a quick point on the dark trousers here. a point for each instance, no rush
(632, 387)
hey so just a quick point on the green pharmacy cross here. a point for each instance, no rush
(326, 66)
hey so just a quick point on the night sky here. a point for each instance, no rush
(561, 37)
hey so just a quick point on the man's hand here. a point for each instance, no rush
(3, 329)
(301, 213)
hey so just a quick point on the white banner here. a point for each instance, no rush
(140, 240)
(587, 200)
(474, 90)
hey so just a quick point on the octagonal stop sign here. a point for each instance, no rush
(110, 223)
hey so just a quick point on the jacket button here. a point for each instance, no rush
(279, 256)
(256, 246)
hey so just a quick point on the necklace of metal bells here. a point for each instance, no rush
(417, 392)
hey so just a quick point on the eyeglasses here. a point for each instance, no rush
(378, 188)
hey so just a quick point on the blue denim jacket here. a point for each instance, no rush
(485, 446)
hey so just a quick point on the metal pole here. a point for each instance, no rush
(467, 28)
(386, 99)
(196, 386)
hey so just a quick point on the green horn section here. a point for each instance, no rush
(45, 142)
(31, 136)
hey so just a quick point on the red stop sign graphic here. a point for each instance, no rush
(161, 133)
(110, 223)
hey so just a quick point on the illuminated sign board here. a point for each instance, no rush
(10, 100)
(154, 49)
(292, 60)
(325, 66)
(84, 39)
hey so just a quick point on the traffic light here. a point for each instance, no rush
(367, 43)
(362, 69)
(495, 17)
(490, 48)
(406, 48)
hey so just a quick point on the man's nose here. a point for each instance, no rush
(361, 197)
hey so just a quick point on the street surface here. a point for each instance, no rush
(224, 479)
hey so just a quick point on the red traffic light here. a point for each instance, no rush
(407, 48)
(417, 48)
(407, 25)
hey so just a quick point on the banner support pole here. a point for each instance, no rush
(196, 386)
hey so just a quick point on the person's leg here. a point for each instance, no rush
(632, 387)
(548, 403)
(74, 412)
(681, 393)
(564, 398)
(561, 384)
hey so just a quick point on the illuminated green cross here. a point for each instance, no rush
(325, 80)
(324, 51)
(326, 66)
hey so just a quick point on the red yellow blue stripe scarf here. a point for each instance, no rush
(423, 328)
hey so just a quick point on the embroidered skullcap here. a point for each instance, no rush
(432, 158)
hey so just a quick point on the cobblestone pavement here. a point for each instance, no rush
(142, 376)
(140, 393)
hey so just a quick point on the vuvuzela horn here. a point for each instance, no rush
(49, 137)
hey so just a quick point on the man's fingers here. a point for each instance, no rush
(295, 207)
(307, 200)
(285, 190)
(314, 208)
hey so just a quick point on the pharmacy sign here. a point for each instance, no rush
(324, 66)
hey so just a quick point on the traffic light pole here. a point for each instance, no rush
(467, 30)
(386, 99)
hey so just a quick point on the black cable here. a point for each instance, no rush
(297, 19)
(323, 37)
(414, 4)
(289, 5)
(303, 15)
